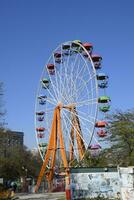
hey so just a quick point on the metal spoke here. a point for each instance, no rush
(79, 116)
(69, 134)
(75, 129)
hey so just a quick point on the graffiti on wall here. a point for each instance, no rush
(126, 176)
(111, 184)
(91, 185)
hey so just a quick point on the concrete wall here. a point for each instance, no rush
(109, 183)
(126, 177)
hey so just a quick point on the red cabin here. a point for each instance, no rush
(40, 129)
(88, 46)
(50, 66)
(51, 69)
(102, 133)
(100, 124)
(40, 135)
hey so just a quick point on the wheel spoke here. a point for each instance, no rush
(75, 129)
(69, 134)
(81, 117)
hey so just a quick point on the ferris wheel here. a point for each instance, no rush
(67, 105)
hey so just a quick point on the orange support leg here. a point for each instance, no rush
(55, 134)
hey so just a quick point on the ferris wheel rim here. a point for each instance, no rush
(96, 86)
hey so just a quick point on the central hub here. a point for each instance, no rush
(60, 105)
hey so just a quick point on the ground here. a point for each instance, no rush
(47, 196)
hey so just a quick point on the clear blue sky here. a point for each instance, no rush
(31, 29)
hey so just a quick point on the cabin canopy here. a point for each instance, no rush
(104, 99)
(94, 146)
(101, 124)
(102, 76)
(87, 46)
(40, 129)
(40, 113)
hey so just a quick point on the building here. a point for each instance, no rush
(10, 139)
(35, 151)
